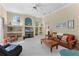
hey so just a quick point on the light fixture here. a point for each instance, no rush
(34, 7)
(38, 8)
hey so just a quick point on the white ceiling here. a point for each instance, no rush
(27, 8)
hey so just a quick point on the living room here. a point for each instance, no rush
(25, 25)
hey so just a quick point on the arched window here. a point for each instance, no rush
(28, 21)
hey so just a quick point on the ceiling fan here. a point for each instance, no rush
(36, 6)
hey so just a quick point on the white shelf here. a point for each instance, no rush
(15, 32)
(33, 26)
(37, 26)
(28, 26)
(13, 26)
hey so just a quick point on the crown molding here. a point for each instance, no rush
(59, 9)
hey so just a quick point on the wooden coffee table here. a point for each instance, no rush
(50, 43)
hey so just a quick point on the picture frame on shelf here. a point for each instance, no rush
(70, 24)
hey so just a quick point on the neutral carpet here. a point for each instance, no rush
(33, 47)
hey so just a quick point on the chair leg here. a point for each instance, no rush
(51, 49)
(41, 42)
(56, 46)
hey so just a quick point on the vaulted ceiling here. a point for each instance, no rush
(35, 9)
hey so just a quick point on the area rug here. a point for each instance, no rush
(67, 52)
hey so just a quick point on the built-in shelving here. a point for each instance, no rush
(29, 26)
(27, 29)
(15, 32)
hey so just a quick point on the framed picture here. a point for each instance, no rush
(61, 25)
(71, 24)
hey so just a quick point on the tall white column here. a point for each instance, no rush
(1, 28)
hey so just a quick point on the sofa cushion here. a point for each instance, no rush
(0, 46)
(11, 47)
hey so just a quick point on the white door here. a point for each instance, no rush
(1, 29)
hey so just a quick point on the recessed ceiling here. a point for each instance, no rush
(35, 9)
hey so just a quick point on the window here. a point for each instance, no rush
(15, 20)
(28, 21)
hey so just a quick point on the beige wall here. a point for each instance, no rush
(3, 13)
(68, 13)
(22, 17)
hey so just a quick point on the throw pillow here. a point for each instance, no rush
(64, 38)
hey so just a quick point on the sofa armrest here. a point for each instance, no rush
(72, 42)
(6, 45)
